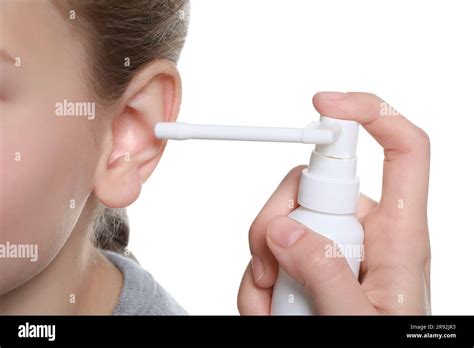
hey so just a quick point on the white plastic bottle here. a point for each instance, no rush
(328, 192)
(328, 196)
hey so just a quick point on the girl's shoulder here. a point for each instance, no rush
(141, 294)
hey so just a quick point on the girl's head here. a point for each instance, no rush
(81, 85)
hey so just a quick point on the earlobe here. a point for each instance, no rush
(131, 151)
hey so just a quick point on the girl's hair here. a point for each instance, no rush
(122, 36)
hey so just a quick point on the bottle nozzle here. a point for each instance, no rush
(314, 133)
(335, 138)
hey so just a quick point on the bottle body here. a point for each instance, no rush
(289, 296)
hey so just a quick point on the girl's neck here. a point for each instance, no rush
(79, 280)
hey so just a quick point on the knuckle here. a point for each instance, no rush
(421, 144)
(424, 138)
(253, 229)
(256, 231)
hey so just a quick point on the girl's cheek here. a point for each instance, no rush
(46, 166)
(46, 161)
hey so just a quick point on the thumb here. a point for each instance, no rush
(329, 279)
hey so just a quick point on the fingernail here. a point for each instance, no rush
(332, 95)
(285, 232)
(257, 268)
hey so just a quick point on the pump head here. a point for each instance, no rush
(345, 143)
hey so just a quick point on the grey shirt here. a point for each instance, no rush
(141, 294)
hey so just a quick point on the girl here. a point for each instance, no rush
(85, 81)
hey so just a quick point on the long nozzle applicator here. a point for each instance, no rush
(336, 138)
(314, 133)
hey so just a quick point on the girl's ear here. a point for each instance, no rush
(130, 150)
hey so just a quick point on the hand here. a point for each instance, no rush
(395, 273)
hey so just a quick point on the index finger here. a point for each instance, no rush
(406, 148)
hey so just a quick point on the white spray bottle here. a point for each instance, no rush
(327, 195)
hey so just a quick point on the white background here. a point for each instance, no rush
(258, 62)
